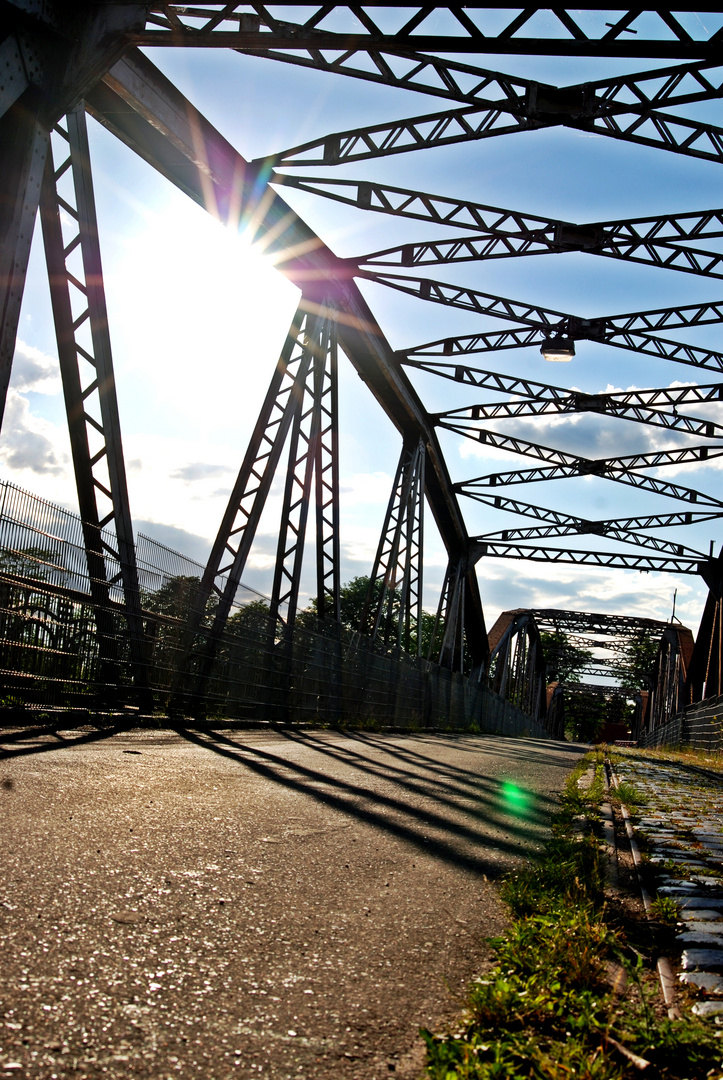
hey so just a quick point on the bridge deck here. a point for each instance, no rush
(253, 904)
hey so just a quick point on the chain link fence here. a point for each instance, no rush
(60, 656)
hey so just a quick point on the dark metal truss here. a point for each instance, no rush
(673, 396)
(598, 689)
(313, 460)
(553, 400)
(499, 234)
(301, 390)
(151, 117)
(618, 529)
(609, 560)
(633, 331)
(564, 465)
(624, 108)
(72, 250)
(449, 620)
(588, 622)
(579, 31)
(562, 521)
(393, 607)
(517, 666)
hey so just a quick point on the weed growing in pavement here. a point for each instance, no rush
(546, 1010)
(627, 793)
(666, 909)
(685, 755)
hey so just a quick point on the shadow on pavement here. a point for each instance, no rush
(466, 836)
(59, 742)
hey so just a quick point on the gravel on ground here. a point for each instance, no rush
(280, 904)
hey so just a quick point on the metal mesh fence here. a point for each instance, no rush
(60, 653)
(699, 725)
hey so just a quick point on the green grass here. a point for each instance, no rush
(547, 1010)
(627, 793)
(667, 909)
(685, 755)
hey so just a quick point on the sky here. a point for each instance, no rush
(198, 315)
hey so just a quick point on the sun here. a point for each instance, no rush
(198, 318)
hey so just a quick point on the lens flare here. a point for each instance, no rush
(514, 798)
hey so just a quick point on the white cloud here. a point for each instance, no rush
(31, 447)
(366, 488)
(34, 371)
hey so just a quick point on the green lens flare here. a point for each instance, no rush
(514, 798)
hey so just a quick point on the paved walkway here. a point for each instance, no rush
(244, 904)
(681, 823)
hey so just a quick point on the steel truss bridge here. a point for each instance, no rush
(62, 62)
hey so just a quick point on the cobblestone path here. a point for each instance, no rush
(680, 824)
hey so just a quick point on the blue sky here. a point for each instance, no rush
(197, 320)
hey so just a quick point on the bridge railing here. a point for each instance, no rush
(61, 654)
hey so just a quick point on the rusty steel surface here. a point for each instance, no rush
(243, 904)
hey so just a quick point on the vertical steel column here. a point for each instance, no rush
(230, 551)
(399, 553)
(307, 457)
(86, 364)
(451, 616)
(410, 601)
(326, 471)
(23, 149)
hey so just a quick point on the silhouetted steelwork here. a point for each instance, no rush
(625, 108)
(572, 638)
(393, 607)
(86, 368)
(667, 690)
(580, 31)
(518, 671)
(661, 241)
(96, 59)
(632, 331)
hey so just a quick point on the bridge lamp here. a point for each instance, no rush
(558, 349)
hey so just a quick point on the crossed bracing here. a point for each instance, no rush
(500, 28)
(632, 108)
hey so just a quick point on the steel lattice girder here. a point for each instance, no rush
(255, 27)
(148, 113)
(156, 124)
(400, 550)
(47, 68)
(86, 367)
(616, 632)
(588, 622)
(611, 560)
(604, 107)
(639, 406)
(632, 331)
(663, 241)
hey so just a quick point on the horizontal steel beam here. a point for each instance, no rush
(556, 517)
(610, 560)
(620, 475)
(632, 331)
(664, 241)
(569, 32)
(626, 107)
(596, 622)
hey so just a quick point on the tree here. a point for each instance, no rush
(251, 617)
(352, 598)
(564, 659)
(640, 657)
(173, 598)
(585, 716)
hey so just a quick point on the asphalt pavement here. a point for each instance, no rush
(241, 904)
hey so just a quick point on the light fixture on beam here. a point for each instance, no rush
(558, 349)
